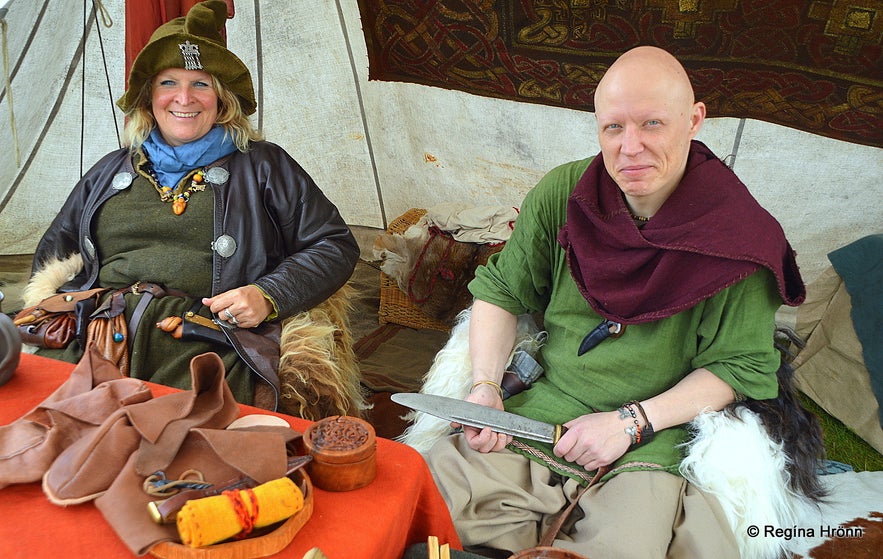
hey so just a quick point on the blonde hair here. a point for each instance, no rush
(140, 120)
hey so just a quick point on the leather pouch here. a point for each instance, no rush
(109, 334)
(154, 428)
(76, 410)
(52, 323)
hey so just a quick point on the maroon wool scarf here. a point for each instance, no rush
(709, 234)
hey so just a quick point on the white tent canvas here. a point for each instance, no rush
(376, 148)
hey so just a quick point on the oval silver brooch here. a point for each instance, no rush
(122, 181)
(224, 245)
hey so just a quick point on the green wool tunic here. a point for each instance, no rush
(730, 334)
(139, 238)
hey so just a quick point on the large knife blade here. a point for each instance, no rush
(476, 415)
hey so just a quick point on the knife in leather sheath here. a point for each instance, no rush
(476, 415)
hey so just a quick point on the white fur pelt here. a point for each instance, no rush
(398, 253)
(45, 282)
(52, 275)
(451, 375)
(733, 458)
(730, 456)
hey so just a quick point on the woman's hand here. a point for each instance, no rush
(243, 307)
(485, 440)
(594, 440)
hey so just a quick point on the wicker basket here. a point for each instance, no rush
(395, 306)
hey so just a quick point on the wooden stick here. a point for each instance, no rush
(432, 544)
(445, 552)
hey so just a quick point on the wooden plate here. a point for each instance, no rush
(258, 546)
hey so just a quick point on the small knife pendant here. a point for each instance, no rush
(607, 329)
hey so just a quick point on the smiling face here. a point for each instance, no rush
(184, 104)
(646, 118)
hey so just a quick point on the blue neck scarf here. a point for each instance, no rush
(172, 163)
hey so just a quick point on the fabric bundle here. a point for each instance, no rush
(211, 520)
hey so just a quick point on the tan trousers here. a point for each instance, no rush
(503, 500)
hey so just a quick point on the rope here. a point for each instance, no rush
(434, 232)
(8, 81)
(245, 514)
(108, 22)
(83, 92)
(157, 485)
(105, 15)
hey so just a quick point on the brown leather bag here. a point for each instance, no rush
(53, 323)
(76, 410)
(155, 428)
(110, 335)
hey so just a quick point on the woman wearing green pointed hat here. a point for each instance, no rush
(229, 225)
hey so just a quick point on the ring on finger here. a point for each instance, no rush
(234, 321)
(229, 315)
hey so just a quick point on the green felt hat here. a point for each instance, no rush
(192, 42)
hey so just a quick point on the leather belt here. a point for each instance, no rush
(116, 303)
(149, 292)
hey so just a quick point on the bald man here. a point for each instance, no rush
(656, 241)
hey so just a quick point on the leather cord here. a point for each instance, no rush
(555, 526)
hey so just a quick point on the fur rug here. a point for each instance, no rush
(731, 456)
(398, 252)
(318, 369)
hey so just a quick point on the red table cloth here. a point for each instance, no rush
(402, 506)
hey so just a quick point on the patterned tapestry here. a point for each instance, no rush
(813, 65)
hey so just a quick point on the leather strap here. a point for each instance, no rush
(148, 291)
(512, 384)
(555, 526)
(137, 314)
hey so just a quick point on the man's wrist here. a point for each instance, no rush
(490, 384)
(641, 430)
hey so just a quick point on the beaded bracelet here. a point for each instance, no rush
(489, 383)
(647, 431)
(633, 431)
(644, 434)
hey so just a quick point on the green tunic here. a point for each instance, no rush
(141, 239)
(730, 334)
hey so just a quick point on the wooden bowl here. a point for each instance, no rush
(269, 543)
